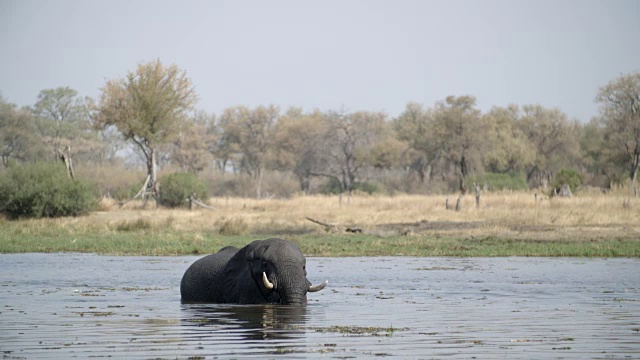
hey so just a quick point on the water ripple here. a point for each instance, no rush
(80, 305)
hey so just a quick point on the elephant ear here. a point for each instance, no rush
(238, 282)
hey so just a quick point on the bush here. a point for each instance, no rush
(234, 226)
(569, 177)
(177, 187)
(499, 181)
(43, 190)
(370, 187)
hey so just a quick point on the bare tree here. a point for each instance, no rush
(252, 132)
(191, 149)
(348, 144)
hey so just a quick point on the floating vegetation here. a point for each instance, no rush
(94, 313)
(433, 268)
(360, 330)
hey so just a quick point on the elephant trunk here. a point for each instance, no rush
(292, 287)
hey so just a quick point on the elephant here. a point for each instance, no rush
(271, 271)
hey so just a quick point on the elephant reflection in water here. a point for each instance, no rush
(257, 322)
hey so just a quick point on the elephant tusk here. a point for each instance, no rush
(314, 288)
(266, 281)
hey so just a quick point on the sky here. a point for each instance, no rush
(330, 55)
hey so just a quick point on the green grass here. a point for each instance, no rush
(141, 238)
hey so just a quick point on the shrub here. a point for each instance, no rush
(43, 190)
(370, 187)
(177, 187)
(499, 181)
(569, 177)
(234, 226)
(133, 225)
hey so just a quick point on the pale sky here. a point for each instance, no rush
(360, 55)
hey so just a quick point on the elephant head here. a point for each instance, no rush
(268, 271)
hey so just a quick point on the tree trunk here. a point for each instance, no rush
(66, 159)
(305, 183)
(348, 185)
(634, 184)
(152, 173)
(259, 183)
(463, 174)
(477, 187)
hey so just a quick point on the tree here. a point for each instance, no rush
(620, 113)
(601, 163)
(191, 148)
(219, 146)
(252, 132)
(149, 107)
(461, 134)
(64, 124)
(298, 144)
(18, 135)
(63, 111)
(347, 145)
(415, 127)
(554, 139)
(511, 151)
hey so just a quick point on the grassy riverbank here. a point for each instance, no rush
(505, 225)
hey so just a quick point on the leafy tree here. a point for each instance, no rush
(415, 128)
(299, 142)
(149, 107)
(599, 160)
(554, 139)
(64, 120)
(620, 114)
(18, 135)
(511, 150)
(461, 134)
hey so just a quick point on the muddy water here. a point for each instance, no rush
(78, 305)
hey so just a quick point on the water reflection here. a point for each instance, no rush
(248, 322)
(81, 305)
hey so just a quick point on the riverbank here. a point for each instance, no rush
(504, 225)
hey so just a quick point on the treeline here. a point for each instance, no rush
(150, 115)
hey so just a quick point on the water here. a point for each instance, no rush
(80, 305)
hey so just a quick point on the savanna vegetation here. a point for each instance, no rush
(506, 224)
(144, 138)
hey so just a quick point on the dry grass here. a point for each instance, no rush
(512, 215)
(505, 225)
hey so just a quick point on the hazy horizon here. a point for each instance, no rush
(363, 55)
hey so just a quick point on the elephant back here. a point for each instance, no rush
(200, 283)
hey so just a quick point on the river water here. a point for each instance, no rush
(83, 305)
